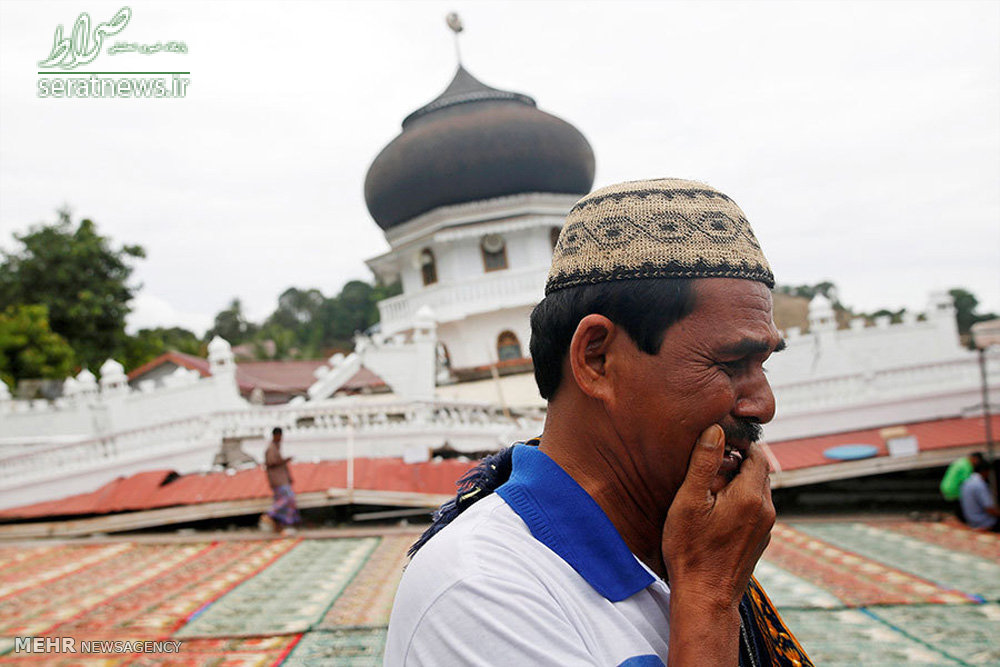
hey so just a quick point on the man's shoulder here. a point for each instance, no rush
(483, 586)
(487, 543)
(487, 539)
(974, 482)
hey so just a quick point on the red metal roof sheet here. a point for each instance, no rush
(294, 376)
(930, 435)
(188, 361)
(162, 488)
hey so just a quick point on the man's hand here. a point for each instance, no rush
(712, 540)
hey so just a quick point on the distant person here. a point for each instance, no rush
(956, 474)
(284, 514)
(978, 504)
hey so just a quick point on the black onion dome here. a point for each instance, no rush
(475, 142)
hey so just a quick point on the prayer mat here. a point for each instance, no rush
(950, 536)
(945, 567)
(34, 610)
(159, 607)
(854, 580)
(357, 647)
(853, 637)
(968, 633)
(367, 601)
(230, 652)
(287, 597)
(36, 566)
(788, 591)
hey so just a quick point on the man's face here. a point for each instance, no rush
(709, 370)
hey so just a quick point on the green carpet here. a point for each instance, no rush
(289, 596)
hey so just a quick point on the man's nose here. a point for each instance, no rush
(755, 400)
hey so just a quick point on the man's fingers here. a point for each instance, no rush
(706, 457)
(752, 477)
(755, 467)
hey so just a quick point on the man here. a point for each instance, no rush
(284, 514)
(978, 505)
(628, 532)
(956, 474)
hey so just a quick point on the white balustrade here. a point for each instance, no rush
(452, 302)
(312, 431)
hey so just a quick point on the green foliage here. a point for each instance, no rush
(232, 325)
(80, 277)
(826, 288)
(895, 316)
(29, 348)
(306, 324)
(966, 305)
(147, 344)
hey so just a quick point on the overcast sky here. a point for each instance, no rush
(862, 139)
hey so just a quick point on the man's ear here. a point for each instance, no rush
(587, 356)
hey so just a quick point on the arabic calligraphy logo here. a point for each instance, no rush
(83, 45)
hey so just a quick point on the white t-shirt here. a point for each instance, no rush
(534, 574)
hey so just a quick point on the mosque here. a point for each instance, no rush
(471, 196)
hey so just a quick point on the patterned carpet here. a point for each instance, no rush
(855, 593)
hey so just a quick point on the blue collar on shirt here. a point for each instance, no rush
(563, 517)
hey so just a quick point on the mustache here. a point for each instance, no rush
(743, 430)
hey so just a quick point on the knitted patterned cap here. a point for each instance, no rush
(665, 228)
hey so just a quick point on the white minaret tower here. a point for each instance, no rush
(471, 196)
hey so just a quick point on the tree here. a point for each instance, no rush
(306, 324)
(232, 325)
(358, 307)
(297, 308)
(147, 344)
(80, 277)
(895, 316)
(966, 305)
(29, 348)
(826, 288)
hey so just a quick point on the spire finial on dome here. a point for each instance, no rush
(454, 22)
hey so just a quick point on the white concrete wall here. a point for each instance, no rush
(318, 430)
(473, 341)
(466, 299)
(109, 414)
(89, 411)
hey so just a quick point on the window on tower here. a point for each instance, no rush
(494, 251)
(508, 347)
(428, 267)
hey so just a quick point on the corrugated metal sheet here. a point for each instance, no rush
(269, 376)
(930, 435)
(163, 488)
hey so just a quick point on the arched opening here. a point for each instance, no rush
(494, 251)
(428, 267)
(508, 347)
(443, 357)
